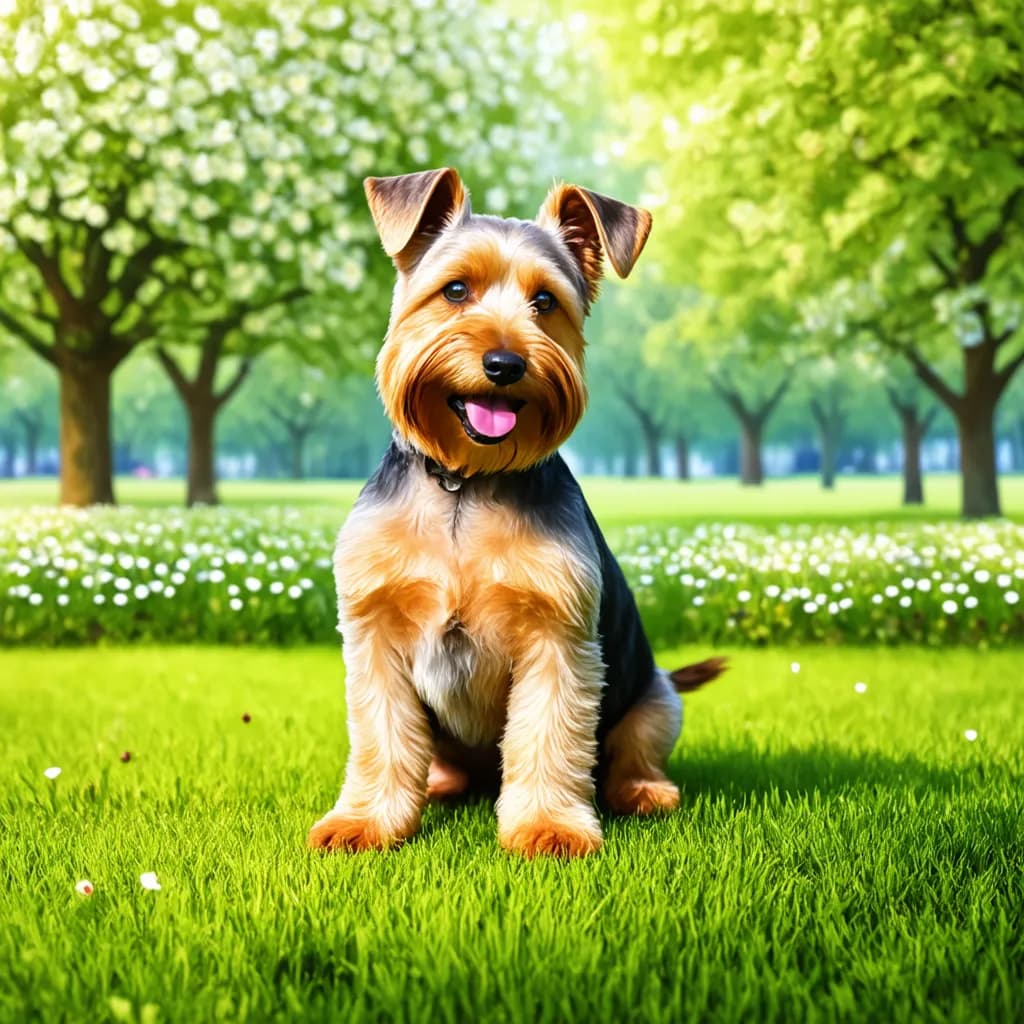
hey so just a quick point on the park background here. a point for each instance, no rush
(805, 443)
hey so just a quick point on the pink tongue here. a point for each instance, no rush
(490, 417)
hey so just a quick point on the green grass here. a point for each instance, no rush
(616, 501)
(838, 855)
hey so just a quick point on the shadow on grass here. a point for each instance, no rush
(738, 774)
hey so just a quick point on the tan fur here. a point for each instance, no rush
(638, 748)
(522, 602)
(434, 349)
(488, 620)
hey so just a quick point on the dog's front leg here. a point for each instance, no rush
(549, 748)
(384, 791)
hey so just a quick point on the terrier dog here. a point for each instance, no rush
(489, 633)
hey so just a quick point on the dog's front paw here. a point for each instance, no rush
(336, 831)
(551, 839)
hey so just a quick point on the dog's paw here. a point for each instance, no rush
(551, 839)
(340, 832)
(643, 796)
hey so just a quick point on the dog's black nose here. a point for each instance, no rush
(503, 367)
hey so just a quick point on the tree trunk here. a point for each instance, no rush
(202, 472)
(751, 420)
(751, 469)
(652, 442)
(913, 486)
(10, 453)
(629, 464)
(86, 469)
(203, 403)
(298, 448)
(31, 450)
(1017, 436)
(682, 457)
(979, 479)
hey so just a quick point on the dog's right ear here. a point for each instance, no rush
(411, 210)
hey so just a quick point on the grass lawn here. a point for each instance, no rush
(616, 501)
(839, 855)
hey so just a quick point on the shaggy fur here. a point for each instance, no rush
(489, 635)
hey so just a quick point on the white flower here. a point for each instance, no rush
(120, 600)
(794, 667)
(294, 592)
(52, 773)
(207, 18)
(1011, 597)
(950, 607)
(743, 596)
(235, 604)
(98, 79)
(148, 880)
(860, 687)
(84, 887)
(186, 39)
(971, 602)
(970, 735)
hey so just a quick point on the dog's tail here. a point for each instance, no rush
(693, 677)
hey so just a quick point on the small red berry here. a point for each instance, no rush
(247, 718)
(126, 756)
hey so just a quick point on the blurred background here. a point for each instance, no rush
(191, 288)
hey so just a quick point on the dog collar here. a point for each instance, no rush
(446, 480)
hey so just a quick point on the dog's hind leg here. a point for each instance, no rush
(637, 750)
(459, 770)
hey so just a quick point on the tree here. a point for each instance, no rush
(864, 144)
(168, 170)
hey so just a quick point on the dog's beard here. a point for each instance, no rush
(428, 405)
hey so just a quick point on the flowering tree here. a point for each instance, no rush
(172, 171)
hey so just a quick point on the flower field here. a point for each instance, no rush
(239, 576)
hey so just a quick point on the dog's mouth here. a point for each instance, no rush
(486, 419)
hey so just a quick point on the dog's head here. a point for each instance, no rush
(482, 367)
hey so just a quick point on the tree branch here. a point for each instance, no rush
(181, 383)
(1005, 375)
(49, 269)
(931, 379)
(236, 382)
(19, 330)
(776, 396)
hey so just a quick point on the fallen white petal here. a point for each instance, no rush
(52, 773)
(149, 881)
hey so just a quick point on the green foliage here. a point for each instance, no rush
(838, 856)
(246, 577)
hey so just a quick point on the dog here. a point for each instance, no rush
(489, 635)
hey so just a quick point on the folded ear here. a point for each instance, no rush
(592, 225)
(411, 210)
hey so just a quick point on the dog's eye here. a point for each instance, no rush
(544, 302)
(455, 291)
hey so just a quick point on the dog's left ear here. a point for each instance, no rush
(592, 226)
(411, 210)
